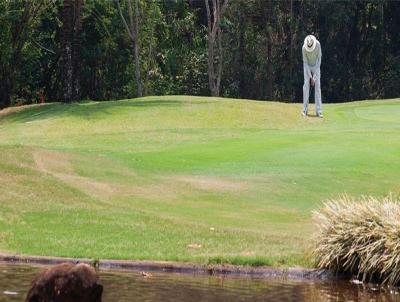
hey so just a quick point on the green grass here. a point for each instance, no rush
(186, 178)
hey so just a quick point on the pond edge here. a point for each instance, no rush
(181, 267)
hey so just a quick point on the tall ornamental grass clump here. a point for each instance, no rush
(360, 237)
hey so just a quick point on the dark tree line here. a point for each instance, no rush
(70, 50)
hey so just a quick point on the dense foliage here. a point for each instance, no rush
(261, 43)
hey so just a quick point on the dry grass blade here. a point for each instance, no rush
(360, 237)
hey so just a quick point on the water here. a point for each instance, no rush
(132, 286)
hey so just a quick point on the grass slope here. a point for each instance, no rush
(186, 178)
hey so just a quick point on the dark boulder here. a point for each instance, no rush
(66, 283)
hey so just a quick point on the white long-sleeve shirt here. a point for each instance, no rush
(312, 59)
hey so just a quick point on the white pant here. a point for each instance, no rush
(317, 88)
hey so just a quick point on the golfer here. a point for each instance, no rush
(312, 55)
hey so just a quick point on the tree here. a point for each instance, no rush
(71, 49)
(111, 49)
(268, 33)
(16, 24)
(214, 36)
(181, 52)
(132, 28)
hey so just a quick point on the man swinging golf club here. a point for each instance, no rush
(312, 55)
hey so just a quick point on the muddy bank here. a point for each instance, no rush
(179, 267)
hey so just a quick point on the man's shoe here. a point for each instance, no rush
(320, 115)
(304, 113)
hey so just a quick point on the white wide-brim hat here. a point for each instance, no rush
(309, 43)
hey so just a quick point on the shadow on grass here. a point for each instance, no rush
(84, 110)
(313, 115)
(92, 109)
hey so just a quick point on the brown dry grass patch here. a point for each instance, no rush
(210, 183)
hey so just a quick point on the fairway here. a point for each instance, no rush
(186, 178)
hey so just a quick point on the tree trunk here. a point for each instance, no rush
(71, 59)
(211, 72)
(291, 53)
(210, 51)
(137, 52)
(214, 35)
(269, 50)
(242, 53)
(150, 61)
(5, 93)
(77, 50)
(66, 38)
(132, 28)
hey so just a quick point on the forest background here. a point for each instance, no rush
(102, 49)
